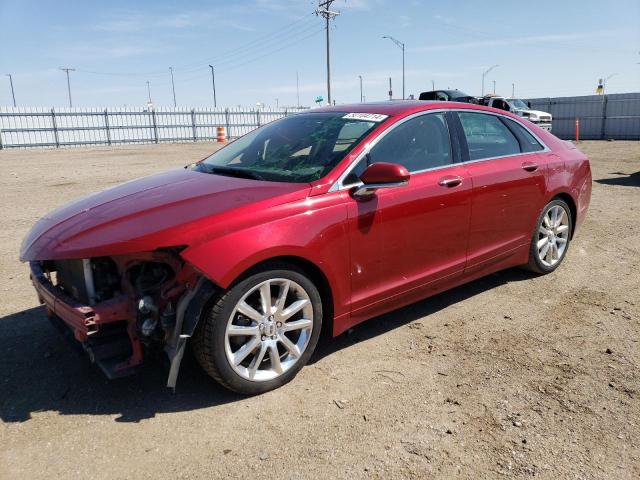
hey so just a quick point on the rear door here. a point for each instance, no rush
(509, 185)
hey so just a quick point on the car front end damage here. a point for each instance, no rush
(122, 309)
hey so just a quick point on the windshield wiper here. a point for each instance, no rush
(236, 172)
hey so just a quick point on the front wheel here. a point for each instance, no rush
(261, 332)
(551, 238)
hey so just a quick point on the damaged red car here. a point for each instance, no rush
(319, 220)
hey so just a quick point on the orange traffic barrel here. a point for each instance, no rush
(220, 135)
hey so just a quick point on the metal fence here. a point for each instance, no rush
(39, 127)
(601, 117)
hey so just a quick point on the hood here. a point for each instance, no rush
(148, 213)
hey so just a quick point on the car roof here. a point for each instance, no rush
(401, 107)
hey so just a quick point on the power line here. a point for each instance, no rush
(265, 41)
(200, 75)
(305, 21)
(253, 59)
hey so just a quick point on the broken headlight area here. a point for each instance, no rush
(121, 308)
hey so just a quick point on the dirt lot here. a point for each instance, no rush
(512, 375)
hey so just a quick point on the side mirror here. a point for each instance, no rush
(381, 175)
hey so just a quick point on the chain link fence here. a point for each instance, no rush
(54, 128)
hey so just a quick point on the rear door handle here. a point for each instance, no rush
(450, 181)
(530, 166)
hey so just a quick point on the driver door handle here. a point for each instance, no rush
(529, 166)
(450, 181)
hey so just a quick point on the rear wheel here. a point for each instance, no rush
(261, 332)
(551, 238)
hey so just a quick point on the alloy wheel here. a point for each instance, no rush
(269, 329)
(553, 236)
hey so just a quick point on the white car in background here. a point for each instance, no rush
(520, 108)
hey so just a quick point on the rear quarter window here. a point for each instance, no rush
(528, 142)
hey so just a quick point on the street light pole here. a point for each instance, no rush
(484, 74)
(433, 85)
(494, 87)
(13, 95)
(149, 91)
(173, 87)
(360, 77)
(401, 46)
(604, 83)
(297, 89)
(67, 70)
(213, 82)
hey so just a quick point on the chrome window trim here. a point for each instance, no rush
(337, 186)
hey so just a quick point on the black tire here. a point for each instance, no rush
(208, 342)
(535, 264)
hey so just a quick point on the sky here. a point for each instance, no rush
(542, 48)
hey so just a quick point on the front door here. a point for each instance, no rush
(403, 239)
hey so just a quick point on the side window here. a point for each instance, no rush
(528, 142)
(418, 144)
(487, 136)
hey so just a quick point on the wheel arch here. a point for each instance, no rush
(315, 274)
(568, 199)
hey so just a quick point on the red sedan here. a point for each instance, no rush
(320, 219)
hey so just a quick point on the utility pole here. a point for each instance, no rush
(297, 89)
(390, 90)
(173, 87)
(325, 12)
(13, 95)
(67, 70)
(484, 74)
(361, 96)
(401, 46)
(213, 82)
(513, 90)
(433, 85)
(149, 91)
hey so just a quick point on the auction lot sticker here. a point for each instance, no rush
(369, 117)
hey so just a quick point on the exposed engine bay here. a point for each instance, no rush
(124, 308)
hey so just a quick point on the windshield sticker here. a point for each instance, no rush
(369, 117)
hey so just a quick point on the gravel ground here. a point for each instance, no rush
(513, 375)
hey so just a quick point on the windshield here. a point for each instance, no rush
(300, 148)
(518, 104)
